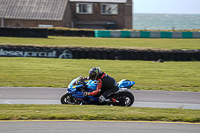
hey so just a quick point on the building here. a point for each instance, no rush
(95, 14)
(32, 13)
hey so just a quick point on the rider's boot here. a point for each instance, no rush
(109, 101)
(112, 100)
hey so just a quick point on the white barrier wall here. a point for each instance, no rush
(155, 34)
(115, 33)
(135, 34)
(196, 34)
(176, 34)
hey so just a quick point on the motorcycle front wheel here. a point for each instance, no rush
(125, 98)
(66, 99)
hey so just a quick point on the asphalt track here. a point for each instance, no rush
(143, 98)
(95, 127)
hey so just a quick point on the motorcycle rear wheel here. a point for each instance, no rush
(126, 99)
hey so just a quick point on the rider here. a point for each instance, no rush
(106, 85)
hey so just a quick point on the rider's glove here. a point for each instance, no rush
(82, 80)
(85, 94)
(86, 78)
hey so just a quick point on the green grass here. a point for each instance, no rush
(92, 112)
(45, 72)
(144, 43)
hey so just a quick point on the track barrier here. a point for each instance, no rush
(44, 33)
(98, 53)
(146, 34)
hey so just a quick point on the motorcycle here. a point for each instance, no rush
(78, 86)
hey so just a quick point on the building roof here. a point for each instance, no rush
(102, 1)
(33, 9)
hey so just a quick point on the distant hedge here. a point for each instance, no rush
(78, 33)
(23, 32)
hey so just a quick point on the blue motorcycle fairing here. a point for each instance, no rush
(88, 99)
(124, 83)
(73, 89)
(91, 86)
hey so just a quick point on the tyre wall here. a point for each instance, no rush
(98, 53)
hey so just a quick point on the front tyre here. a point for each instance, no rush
(125, 99)
(66, 99)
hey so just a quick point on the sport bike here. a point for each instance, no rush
(78, 86)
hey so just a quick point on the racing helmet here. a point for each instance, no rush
(94, 72)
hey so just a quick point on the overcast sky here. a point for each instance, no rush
(167, 6)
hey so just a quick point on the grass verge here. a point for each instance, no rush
(92, 112)
(137, 43)
(45, 72)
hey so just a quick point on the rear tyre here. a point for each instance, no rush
(66, 99)
(125, 98)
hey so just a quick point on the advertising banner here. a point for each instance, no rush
(35, 52)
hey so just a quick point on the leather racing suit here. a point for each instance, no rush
(105, 85)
